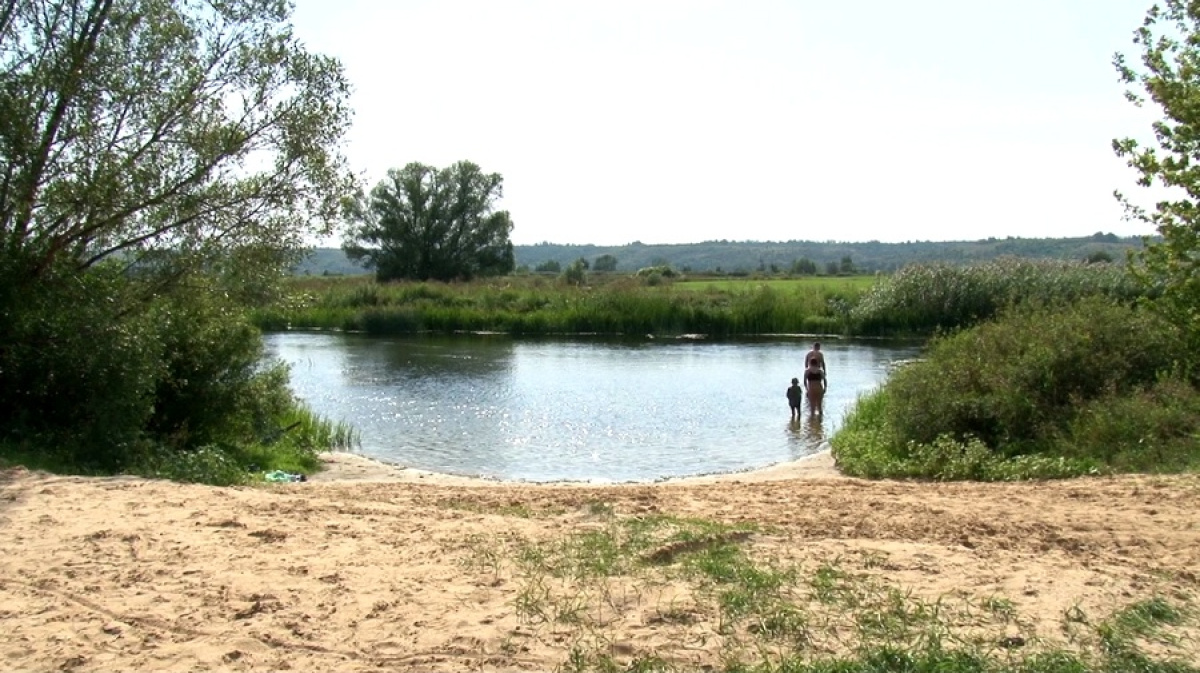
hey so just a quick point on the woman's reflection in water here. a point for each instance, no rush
(809, 432)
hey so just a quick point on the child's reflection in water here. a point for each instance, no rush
(810, 431)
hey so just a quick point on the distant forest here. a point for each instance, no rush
(801, 257)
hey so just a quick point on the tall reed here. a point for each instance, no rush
(924, 298)
(536, 306)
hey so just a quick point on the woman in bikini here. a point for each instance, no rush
(814, 385)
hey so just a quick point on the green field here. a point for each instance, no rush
(851, 284)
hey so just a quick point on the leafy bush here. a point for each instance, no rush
(213, 387)
(1038, 393)
(78, 373)
(1156, 429)
(99, 375)
(1009, 381)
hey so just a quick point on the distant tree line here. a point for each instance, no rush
(800, 258)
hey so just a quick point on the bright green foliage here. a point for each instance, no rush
(1169, 74)
(1048, 392)
(923, 298)
(1153, 429)
(1004, 382)
(213, 387)
(177, 389)
(422, 223)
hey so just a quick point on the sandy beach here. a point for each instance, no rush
(372, 567)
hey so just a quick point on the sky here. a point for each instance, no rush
(682, 121)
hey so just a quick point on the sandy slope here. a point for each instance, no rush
(374, 568)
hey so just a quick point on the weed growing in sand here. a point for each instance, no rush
(999, 606)
(714, 586)
(598, 508)
(515, 510)
(484, 554)
(1142, 620)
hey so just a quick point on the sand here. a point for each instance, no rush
(372, 567)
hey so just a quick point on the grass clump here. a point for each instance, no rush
(1040, 392)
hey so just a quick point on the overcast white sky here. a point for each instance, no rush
(679, 121)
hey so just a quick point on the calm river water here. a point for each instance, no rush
(575, 410)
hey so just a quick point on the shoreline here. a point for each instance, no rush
(346, 466)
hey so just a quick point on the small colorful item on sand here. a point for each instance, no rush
(279, 476)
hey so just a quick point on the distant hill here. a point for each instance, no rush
(751, 256)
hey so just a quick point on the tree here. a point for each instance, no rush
(548, 266)
(424, 223)
(1169, 39)
(147, 128)
(846, 268)
(804, 267)
(159, 161)
(605, 263)
(576, 272)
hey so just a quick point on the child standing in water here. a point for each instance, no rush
(794, 394)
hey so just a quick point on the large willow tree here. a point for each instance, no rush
(130, 127)
(1168, 74)
(156, 157)
(425, 223)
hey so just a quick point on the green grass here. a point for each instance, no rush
(621, 305)
(917, 300)
(701, 579)
(851, 285)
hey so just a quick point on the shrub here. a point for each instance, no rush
(1151, 430)
(78, 372)
(1038, 393)
(99, 375)
(1010, 381)
(214, 387)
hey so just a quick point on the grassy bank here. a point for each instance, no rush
(292, 444)
(533, 305)
(924, 299)
(916, 301)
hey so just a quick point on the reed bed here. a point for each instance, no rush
(539, 306)
(918, 300)
(922, 299)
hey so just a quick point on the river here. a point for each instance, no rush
(580, 409)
